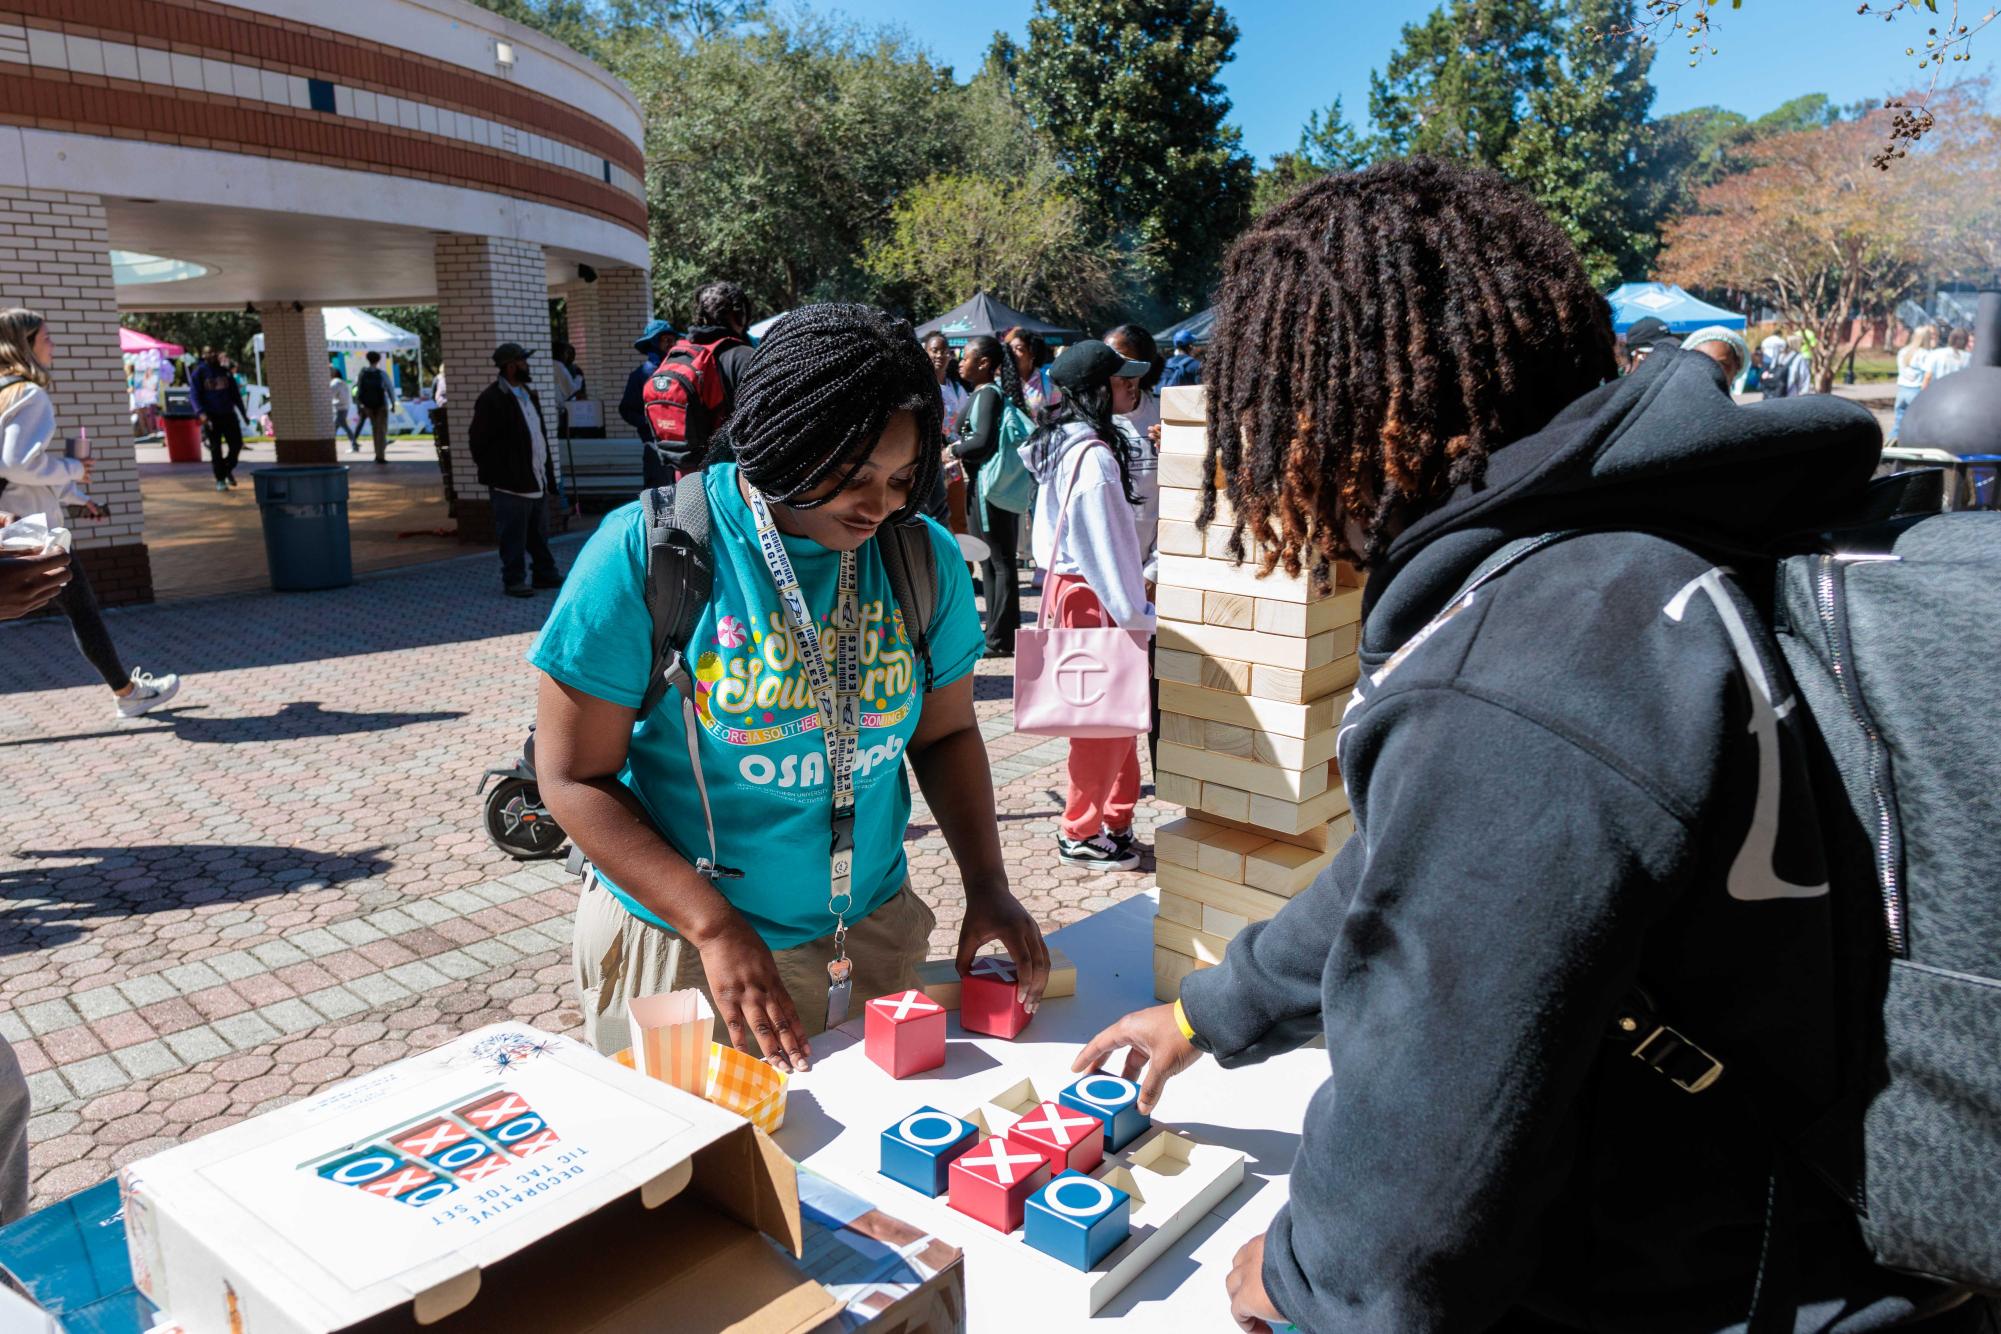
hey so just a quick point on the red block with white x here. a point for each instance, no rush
(992, 1182)
(1067, 1139)
(987, 1002)
(905, 1033)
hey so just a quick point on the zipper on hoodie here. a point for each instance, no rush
(1841, 658)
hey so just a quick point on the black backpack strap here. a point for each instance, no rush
(911, 563)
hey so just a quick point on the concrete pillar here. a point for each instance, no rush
(55, 258)
(297, 370)
(605, 316)
(490, 292)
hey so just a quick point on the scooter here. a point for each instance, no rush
(516, 820)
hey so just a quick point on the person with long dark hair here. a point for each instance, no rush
(1588, 840)
(1032, 359)
(707, 822)
(995, 418)
(1095, 577)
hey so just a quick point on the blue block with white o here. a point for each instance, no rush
(1114, 1101)
(1077, 1219)
(918, 1149)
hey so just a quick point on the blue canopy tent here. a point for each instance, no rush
(1197, 327)
(1682, 313)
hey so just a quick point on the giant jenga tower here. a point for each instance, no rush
(1254, 673)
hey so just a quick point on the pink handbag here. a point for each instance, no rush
(1084, 681)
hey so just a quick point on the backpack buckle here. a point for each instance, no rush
(1686, 1066)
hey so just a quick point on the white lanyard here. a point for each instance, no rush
(838, 696)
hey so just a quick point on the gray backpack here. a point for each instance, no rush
(1891, 629)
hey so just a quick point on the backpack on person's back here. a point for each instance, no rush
(1778, 375)
(371, 389)
(1004, 481)
(685, 401)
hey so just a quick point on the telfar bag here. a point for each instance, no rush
(683, 401)
(1080, 681)
(1005, 482)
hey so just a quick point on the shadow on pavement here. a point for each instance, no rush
(45, 906)
(301, 718)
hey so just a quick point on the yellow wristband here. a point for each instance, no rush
(1181, 1019)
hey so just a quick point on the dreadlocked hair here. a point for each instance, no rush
(1006, 377)
(1092, 408)
(814, 400)
(1377, 337)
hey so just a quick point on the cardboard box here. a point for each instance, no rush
(467, 1189)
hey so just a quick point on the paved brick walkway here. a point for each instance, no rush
(282, 880)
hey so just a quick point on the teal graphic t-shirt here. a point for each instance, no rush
(760, 741)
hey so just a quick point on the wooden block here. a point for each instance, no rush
(1318, 837)
(1218, 537)
(1179, 539)
(1281, 868)
(1182, 791)
(1296, 687)
(1169, 665)
(1221, 799)
(1298, 720)
(1168, 970)
(1222, 853)
(1225, 674)
(1222, 925)
(939, 978)
(1310, 618)
(1233, 610)
(1220, 576)
(1178, 604)
(1182, 470)
(1197, 944)
(1278, 813)
(1179, 842)
(1253, 905)
(1290, 752)
(1177, 502)
(1177, 909)
(1185, 403)
(1220, 641)
(1181, 730)
(1243, 774)
(1226, 739)
(1183, 438)
(1347, 576)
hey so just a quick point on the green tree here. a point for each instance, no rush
(1021, 239)
(1327, 144)
(1529, 88)
(1129, 93)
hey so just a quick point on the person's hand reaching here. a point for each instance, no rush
(1154, 1044)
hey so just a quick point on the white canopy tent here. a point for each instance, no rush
(350, 329)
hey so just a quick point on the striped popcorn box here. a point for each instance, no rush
(747, 1086)
(670, 1038)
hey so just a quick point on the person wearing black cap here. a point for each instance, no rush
(1646, 334)
(511, 450)
(1096, 573)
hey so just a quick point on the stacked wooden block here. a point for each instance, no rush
(1254, 673)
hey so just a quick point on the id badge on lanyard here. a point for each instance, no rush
(837, 696)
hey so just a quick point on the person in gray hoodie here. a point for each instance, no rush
(1581, 793)
(1097, 576)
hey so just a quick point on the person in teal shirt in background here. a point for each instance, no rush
(833, 429)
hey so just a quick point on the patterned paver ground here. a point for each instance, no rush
(281, 879)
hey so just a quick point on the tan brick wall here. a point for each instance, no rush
(298, 372)
(55, 258)
(605, 316)
(490, 291)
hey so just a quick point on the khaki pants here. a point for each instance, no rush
(617, 957)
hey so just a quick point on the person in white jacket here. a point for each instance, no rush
(42, 479)
(1083, 474)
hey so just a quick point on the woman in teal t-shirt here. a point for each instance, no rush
(831, 437)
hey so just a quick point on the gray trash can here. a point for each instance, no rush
(305, 526)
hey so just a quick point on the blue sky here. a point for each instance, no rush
(1295, 55)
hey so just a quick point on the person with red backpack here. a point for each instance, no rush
(692, 390)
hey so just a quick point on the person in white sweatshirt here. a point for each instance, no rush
(1084, 477)
(42, 479)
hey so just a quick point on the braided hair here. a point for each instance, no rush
(816, 396)
(1007, 378)
(1377, 337)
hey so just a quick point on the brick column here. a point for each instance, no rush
(297, 369)
(55, 258)
(605, 316)
(490, 292)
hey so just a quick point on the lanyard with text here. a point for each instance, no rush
(838, 696)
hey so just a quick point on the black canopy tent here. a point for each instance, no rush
(985, 315)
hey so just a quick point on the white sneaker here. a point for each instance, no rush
(148, 692)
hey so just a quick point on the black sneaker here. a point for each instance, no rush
(519, 591)
(1100, 852)
(1123, 840)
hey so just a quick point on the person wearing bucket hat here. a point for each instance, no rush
(651, 345)
(510, 446)
(1096, 575)
(1726, 347)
